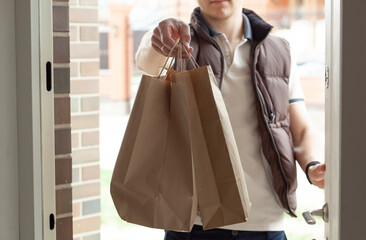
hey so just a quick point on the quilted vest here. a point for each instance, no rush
(271, 63)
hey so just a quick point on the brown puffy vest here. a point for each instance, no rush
(270, 73)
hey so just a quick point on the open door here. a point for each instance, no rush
(344, 210)
(345, 150)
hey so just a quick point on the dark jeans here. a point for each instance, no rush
(197, 233)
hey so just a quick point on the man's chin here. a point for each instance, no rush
(220, 17)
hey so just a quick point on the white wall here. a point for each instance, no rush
(9, 214)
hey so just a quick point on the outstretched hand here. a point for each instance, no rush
(167, 33)
(316, 175)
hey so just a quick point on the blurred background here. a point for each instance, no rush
(120, 26)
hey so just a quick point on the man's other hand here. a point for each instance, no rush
(316, 175)
(167, 33)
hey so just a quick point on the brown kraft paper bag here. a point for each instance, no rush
(219, 177)
(152, 183)
(179, 157)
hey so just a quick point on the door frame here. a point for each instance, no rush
(35, 124)
(332, 116)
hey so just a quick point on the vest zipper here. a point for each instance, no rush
(271, 115)
(272, 118)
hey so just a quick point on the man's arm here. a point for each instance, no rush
(306, 142)
(149, 60)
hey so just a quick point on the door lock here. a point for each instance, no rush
(309, 215)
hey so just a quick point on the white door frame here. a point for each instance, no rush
(345, 120)
(332, 117)
(36, 182)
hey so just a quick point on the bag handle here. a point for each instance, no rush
(179, 57)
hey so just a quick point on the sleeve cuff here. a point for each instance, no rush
(296, 100)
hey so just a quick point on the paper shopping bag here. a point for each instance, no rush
(153, 183)
(219, 177)
(179, 157)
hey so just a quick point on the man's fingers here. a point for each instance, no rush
(171, 30)
(320, 184)
(168, 33)
(319, 170)
(316, 175)
(323, 167)
(185, 36)
(159, 49)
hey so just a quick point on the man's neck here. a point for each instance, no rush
(232, 27)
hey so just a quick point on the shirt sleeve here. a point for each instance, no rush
(296, 94)
(147, 59)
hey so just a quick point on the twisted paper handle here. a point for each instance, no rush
(179, 57)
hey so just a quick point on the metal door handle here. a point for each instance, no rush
(309, 215)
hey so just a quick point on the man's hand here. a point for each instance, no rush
(167, 33)
(316, 175)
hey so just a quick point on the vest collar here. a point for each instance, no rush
(255, 28)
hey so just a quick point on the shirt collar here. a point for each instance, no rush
(248, 34)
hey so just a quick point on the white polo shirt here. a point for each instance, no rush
(237, 90)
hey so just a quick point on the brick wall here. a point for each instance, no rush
(62, 118)
(84, 84)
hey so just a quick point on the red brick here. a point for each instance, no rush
(63, 140)
(83, 15)
(62, 110)
(84, 50)
(76, 209)
(63, 201)
(89, 2)
(85, 155)
(85, 121)
(61, 49)
(89, 69)
(73, 33)
(87, 225)
(64, 228)
(75, 140)
(63, 170)
(60, 18)
(89, 34)
(62, 80)
(89, 104)
(74, 69)
(91, 173)
(84, 86)
(86, 190)
(90, 138)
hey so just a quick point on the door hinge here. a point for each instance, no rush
(326, 77)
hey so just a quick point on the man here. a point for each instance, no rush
(262, 94)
